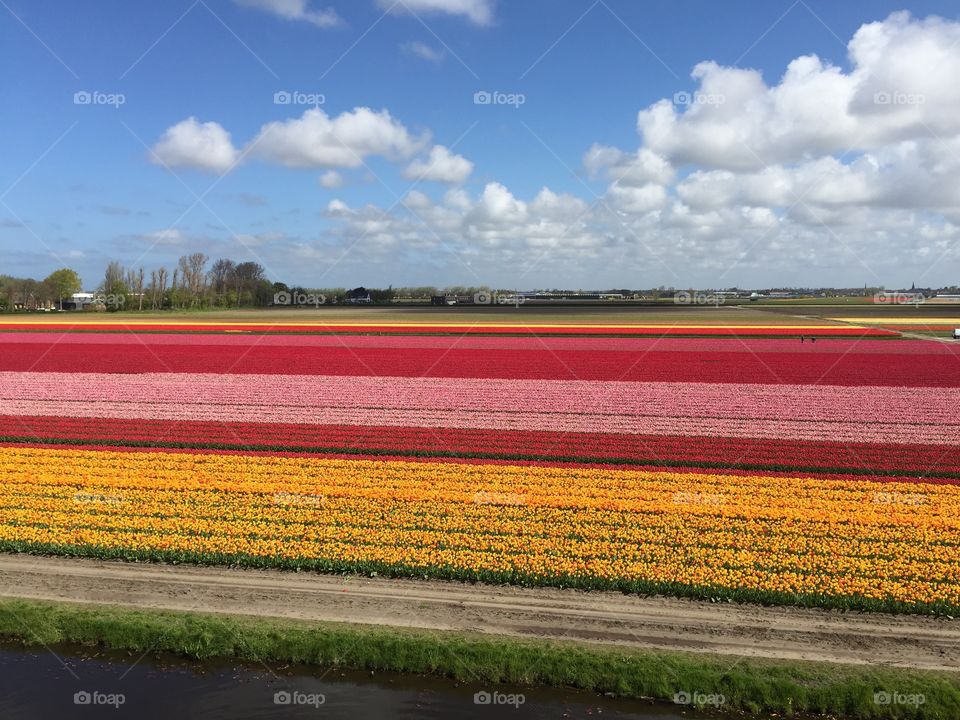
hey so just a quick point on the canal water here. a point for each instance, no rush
(73, 683)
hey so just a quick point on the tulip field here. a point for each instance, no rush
(720, 465)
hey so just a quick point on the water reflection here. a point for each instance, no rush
(40, 684)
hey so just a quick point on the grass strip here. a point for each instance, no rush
(748, 685)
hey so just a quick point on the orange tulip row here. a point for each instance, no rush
(885, 542)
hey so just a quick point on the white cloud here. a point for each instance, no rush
(205, 146)
(901, 86)
(247, 240)
(638, 199)
(296, 10)
(441, 166)
(423, 51)
(479, 12)
(169, 236)
(330, 180)
(636, 169)
(826, 175)
(316, 140)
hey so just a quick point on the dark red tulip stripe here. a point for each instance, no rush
(647, 450)
(666, 329)
(842, 364)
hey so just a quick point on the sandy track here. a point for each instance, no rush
(612, 618)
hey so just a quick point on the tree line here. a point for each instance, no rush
(194, 283)
(31, 294)
(190, 285)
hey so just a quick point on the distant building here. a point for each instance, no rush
(78, 300)
(358, 296)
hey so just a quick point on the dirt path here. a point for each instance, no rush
(613, 618)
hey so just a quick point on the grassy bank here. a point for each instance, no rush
(749, 685)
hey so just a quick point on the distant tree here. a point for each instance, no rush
(263, 292)
(138, 283)
(380, 296)
(221, 278)
(115, 285)
(63, 282)
(193, 278)
(247, 280)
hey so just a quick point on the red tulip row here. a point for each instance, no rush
(740, 364)
(663, 450)
(485, 342)
(533, 329)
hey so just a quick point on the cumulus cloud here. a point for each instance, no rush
(316, 140)
(629, 169)
(296, 10)
(423, 51)
(169, 236)
(900, 86)
(441, 166)
(824, 174)
(255, 240)
(330, 180)
(479, 12)
(494, 226)
(190, 143)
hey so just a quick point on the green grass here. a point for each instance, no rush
(749, 685)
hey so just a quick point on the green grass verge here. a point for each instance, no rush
(749, 685)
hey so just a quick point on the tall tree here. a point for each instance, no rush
(221, 279)
(248, 277)
(162, 286)
(63, 282)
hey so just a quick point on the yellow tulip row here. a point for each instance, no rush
(890, 541)
(311, 514)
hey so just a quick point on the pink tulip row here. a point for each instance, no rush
(499, 420)
(311, 394)
(762, 411)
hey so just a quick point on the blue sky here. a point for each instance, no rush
(85, 183)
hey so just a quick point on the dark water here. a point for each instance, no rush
(55, 684)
